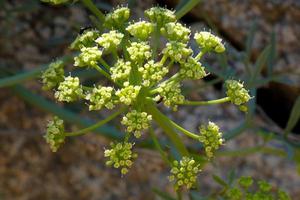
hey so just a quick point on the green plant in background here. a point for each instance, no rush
(246, 188)
(140, 78)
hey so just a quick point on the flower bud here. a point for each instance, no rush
(121, 70)
(69, 90)
(88, 57)
(99, 97)
(111, 40)
(139, 51)
(86, 39)
(53, 75)
(152, 73)
(237, 93)
(209, 42)
(176, 32)
(184, 173)
(192, 69)
(128, 94)
(136, 121)
(171, 94)
(55, 133)
(120, 156)
(141, 30)
(211, 138)
(117, 18)
(177, 51)
(160, 15)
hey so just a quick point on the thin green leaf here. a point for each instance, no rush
(220, 180)
(272, 55)
(163, 195)
(259, 64)
(249, 44)
(24, 76)
(294, 117)
(66, 115)
(185, 6)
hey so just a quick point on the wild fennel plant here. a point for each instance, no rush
(141, 78)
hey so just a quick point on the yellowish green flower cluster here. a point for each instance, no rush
(120, 156)
(184, 173)
(141, 30)
(111, 40)
(136, 121)
(126, 53)
(100, 97)
(211, 137)
(171, 94)
(69, 90)
(237, 94)
(245, 191)
(88, 57)
(53, 75)
(55, 133)
(209, 42)
(86, 39)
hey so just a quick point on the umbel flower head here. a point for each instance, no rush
(53, 75)
(86, 39)
(120, 155)
(100, 97)
(55, 133)
(140, 76)
(184, 172)
(69, 90)
(211, 138)
(209, 42)
(136, 121)
(237, 93)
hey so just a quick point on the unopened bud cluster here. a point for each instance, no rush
(184, 173)
(69, 89)
(120, 156)
(211, 138)
(237, 93)
(55, 133)
(136, 121)
(53, 75)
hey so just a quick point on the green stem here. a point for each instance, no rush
(97, 125)
(157, 146)
(24, 76)
(200, 54)
(184, 131)
(201, 103)
(104, 73)
(93, 8)
(155, 41)
(107, 67)
(167, 127)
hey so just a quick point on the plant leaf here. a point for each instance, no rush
(294, 117)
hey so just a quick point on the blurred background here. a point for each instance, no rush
(263, 44)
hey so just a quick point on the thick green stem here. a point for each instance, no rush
(97, 125)
(158, 147)
(107, 67)
(167, 127)
(92, 7)
(200, 54)
(155, 41)
(202, 103)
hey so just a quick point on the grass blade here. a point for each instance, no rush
(185, 6)
(294, 117)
